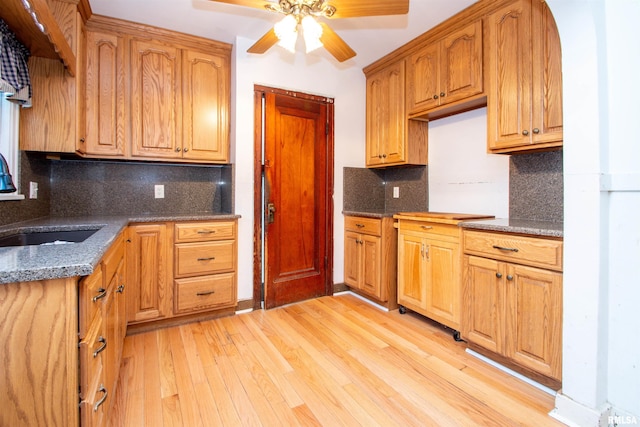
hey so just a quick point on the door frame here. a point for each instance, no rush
(258, 173)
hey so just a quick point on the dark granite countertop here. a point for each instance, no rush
(519, 226)
(370, 213)
(41, 262)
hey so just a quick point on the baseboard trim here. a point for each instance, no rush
(575, 414)
(381, 307)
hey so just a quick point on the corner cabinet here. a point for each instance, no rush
(370, 254)
(512, 301)
(391, 138)
(524, 97)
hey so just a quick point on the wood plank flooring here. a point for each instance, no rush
(324, 362)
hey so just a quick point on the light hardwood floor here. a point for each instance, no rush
(329, 361)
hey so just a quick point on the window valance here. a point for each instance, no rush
(14, 74)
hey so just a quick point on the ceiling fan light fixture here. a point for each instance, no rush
(311, 31)
(287, 33)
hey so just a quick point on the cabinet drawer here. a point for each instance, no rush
(205, 231)
(91, 350)
(112, 259)
(429, 228)
(518, 249)
(206, 292)
(92, 292)
(363, 225)
(94, 405)
(193, 259)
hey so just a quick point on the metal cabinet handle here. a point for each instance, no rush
(185, 149)
(102, 340)
(120, 289)
(499, 275)
(202, 294)
(442, 94)
(206, 231)
(102, 292)
(359, 225)
(502, 248)
(525, 132)
(509, 277)
(426, 227)
(536, 131)
(102, 389)
(178, 149)
(211, 258)
(384, 156)
(435, 96)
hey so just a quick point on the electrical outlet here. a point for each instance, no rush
(159, 191)
(396, 192)
(33, 190)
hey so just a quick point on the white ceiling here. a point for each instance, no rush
(370, 37)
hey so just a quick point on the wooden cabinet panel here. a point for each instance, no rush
(446, 71)
(444, 292)
(155, 100)
(525, 78)
(205, 108)
(411, 271)
(352, 259)
(148, 272)
(92, 291)
(105, 133)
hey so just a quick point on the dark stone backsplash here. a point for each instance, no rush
(536, 189)
(85, 187)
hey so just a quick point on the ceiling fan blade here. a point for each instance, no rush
(355, 8)
(335, 45)
(265, 42)
(259, 4)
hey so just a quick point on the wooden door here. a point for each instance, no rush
(105, 96)
(443, 282)
(461, 64)
(509, 95)
(411, 271)
(483, 303)
(155, 100)
(298, 210)
(148, 280)
(205, 98)
(534, 319)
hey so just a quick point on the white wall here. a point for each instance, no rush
(315, 74)
(462, 176)
(601, 349)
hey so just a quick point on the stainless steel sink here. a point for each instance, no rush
(46, 237)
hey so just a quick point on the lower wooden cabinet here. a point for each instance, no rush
(179, 269)
(370, 258)
(512, 309)
(429, 262)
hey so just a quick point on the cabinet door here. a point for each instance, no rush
(352, 261)
(371, 267)
(148, 280)
(461, 64)
(423, 78)
(547, 77)
(411, 271)
(205, 101)
(483, 303)
(509, 94)
(534, 319)
(443, 282)
(105, 96)
(155, 100)
(386, 118)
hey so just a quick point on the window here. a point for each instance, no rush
(9, 120)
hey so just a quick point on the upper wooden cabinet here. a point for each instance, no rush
(105, 135)
(56, 120)
(524, 79)
(391, 138)
(446, 71)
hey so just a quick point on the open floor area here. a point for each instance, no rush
(329, 361)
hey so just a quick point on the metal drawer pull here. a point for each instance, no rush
(211, 258)
(120, 289)
(426, 227)
(102, 340)
(359, 225)
(206, 231)
(102, 389)
(502, 248)
(499, 275)
(202, 294)
(102, 292)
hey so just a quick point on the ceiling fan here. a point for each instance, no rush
(303, 13)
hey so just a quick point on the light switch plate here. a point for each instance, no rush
(33, 190)
(159, 191)
(396, 192)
